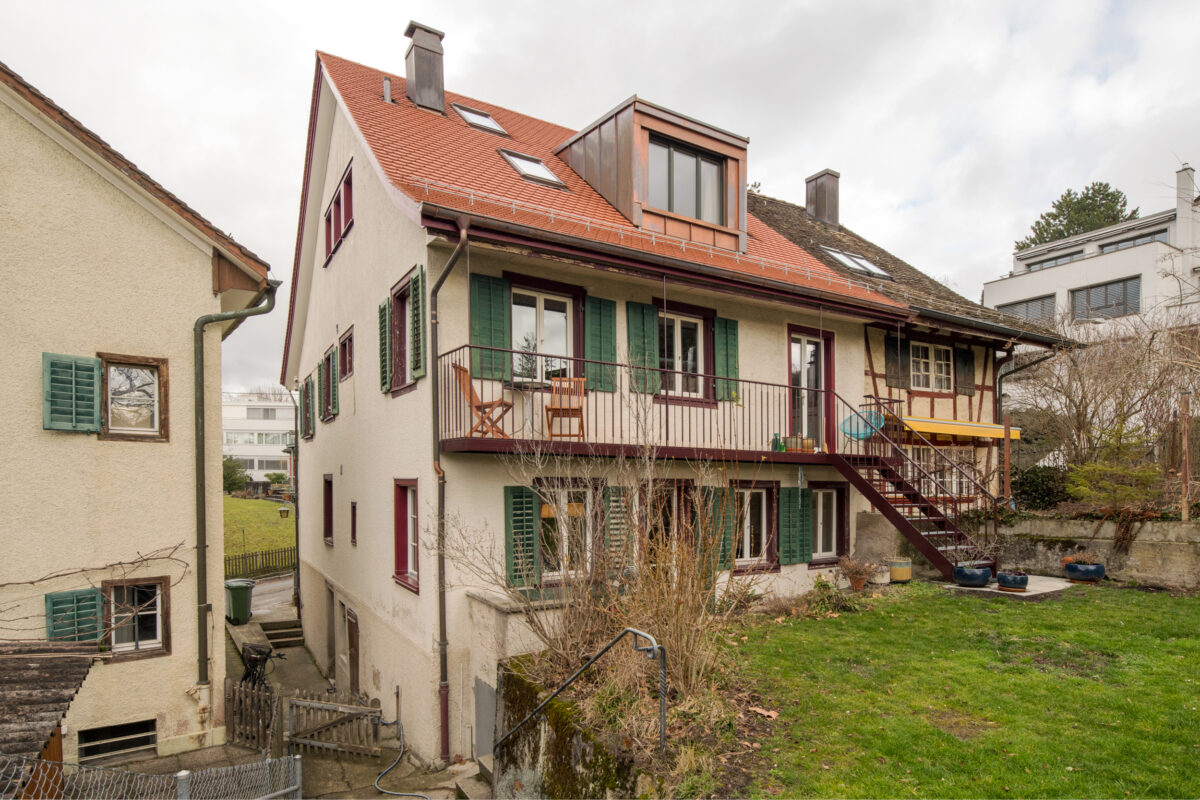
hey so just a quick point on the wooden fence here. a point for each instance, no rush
(250, 715)
(260, 562)
(340, 722)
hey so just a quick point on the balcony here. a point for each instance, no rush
(495, 400)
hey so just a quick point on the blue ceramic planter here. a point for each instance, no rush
(1012, 583)
(1084, 573)
(972, 576)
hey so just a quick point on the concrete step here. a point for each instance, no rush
(473, 788)
(281, 642)
(279, 624)
(487, 766)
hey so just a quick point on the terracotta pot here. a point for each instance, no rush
(857, 584)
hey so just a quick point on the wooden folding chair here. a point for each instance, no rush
(489, 414)
(566, 402)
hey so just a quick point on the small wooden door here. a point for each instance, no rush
(46, 780)
(352, 648)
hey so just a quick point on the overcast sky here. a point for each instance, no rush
(953, 125)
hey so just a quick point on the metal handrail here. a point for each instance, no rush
(651, 649)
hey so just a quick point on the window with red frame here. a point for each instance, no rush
(354, 524)
(346, 355)
(407, 534)
(340, 214)
(328, 509)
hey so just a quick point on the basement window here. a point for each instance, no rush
(856, 263)
(531, 168)
(118, 742)
(479, 119)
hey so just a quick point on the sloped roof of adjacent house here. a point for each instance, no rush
(231, 249)
(907, 284)
(38, 681)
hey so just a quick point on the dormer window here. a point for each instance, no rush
(479, 119)
(856, 263)
(531, 168)
(685, 181)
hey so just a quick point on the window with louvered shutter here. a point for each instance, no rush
(641, 329)
(75, 616)
(600, 343)
(725, 352)
(385, 346)
(70, 393)
(416, 338)
(521, 525)
(490, 327)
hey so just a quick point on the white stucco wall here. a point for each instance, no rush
(88, 269)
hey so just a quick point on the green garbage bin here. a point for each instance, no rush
(237, 600)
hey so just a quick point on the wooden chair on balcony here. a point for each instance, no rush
(566, 403)
(488, 414)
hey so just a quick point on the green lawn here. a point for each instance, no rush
(259, 519)
(932, 694)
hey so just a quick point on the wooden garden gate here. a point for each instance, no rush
(341, 722)
(250, 715)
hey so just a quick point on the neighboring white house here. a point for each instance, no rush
(256, 427)
(105, 274)
(571, 273)
(1143, 267)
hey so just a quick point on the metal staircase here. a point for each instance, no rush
(938, 506)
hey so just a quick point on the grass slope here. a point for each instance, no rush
(933, 694)
(262, 524)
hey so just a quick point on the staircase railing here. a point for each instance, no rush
(871, 437)
(652, 649)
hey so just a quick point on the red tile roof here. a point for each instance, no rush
(442, 160)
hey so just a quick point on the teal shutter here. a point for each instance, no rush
(725, 352)
(385, 345)
(616, 527)
(715, 538)
(416, 338)
(334, 380)
(641, 323)
(804, 523)
(964, 371)
(789, 525)
(321, 389)
(70, 393)
(75, 616)
(490, 299)
(311, 416)
(523, 562)
(897, 362)
(600, 343)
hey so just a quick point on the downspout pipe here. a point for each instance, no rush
(1000, 379)
(464, 224)
(202, 604)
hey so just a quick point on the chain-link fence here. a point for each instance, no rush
(22, 777)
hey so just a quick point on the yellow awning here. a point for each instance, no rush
(955, 428)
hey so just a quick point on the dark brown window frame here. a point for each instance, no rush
(578, 297)
(346, 354)
(326, 392)
(700, 155)
(340, 205)
(354, 523)
(327, 499)
(684, 490)
(770, 562)
(407, 579)
(164, 600)
(841, 535)
(707, 316)
(160, 364)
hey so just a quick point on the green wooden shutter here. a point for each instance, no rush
(333, 382)
(804, 522)
(897, 362)
(964, 370)
(600, 343)
(490, 309)
(789, 525)
(70, 393)
(715, 538)
(522, 559)
(416, 340)
(725, 353)
(616, 527)
(310, 416)
(76, 616)
(321, 389)
(385, 345)
(641, 322)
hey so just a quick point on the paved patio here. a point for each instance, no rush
(1041, 587)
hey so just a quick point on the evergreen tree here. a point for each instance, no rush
(1097, 206)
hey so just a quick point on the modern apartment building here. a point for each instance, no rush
(1144, 267)
(256, 427)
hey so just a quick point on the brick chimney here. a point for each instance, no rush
(423, 67)
(821, 196)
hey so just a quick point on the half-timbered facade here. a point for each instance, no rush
(535, 306)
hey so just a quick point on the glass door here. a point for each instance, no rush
(807, 401)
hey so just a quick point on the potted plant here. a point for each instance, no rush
(1012, 580)
(966, 570)
(856, 571)
(1083, 567)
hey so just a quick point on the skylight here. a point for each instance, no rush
(479, 119)
(531, 168)
(857, 263)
